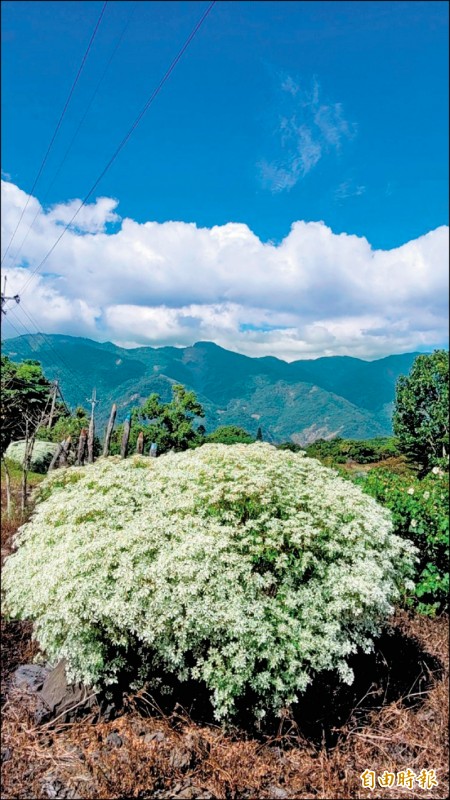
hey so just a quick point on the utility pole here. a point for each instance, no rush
(5, 297)
(52, 410)
(93, 401)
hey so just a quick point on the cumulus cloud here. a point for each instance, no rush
(316, 293)
(308, 128)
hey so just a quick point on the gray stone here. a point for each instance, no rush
(180, 758)
(60, 700)
(114, 739)
(30, 676)
(277, 792)
(156, 736)
(6, 754)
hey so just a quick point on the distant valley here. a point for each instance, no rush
(299, 401)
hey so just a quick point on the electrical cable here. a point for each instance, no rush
(58, 125)
(76, 378)
(125, 139)
(64, 158)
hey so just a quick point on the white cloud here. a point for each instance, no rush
(316, 293)
(307, 129)
(91, 218)
(348, 189)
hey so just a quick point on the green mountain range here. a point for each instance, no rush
(299, 401)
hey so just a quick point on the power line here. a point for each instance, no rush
(64, 158)
(58, 125)
(14, 327)
(50, 345)
(122, 144)
(75, 377)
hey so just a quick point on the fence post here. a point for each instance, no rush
(56, 456)
(90, 442)
(65, 452)
(81, 448)
(125, 437)
(140, 443)
(109, 430)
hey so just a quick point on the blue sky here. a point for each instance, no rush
(279, 113)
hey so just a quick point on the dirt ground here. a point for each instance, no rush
(391, 727)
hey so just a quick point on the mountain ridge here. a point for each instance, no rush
(297, 401)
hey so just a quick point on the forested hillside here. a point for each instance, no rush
(299, 401)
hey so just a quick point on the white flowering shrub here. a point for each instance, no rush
(248, 568)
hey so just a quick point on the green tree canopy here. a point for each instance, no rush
(169, 425)
(25, 394)
(230, 434)
(421, 412)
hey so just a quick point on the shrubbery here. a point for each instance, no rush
(245, 567)
(364, 451)
(420, 513)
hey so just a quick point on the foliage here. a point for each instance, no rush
(24, 396)
(169, 425)
(364, 451)
(229, 434)
(420, 513)
(291, 446)
(70, 425)
(248, 568)
(421, 411)
(350, 395)
(41, 455)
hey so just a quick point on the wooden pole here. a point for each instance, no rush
(140, 444)
(29, 444)
(56, 456)
(90, 443)
(125, 437)
(81, 447)
(109, 430)
(52, 410)
(65, 452)
(8, 489)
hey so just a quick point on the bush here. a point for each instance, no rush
(420, 513)
(245, 567)
(41, 456)
(230, 434)
(363, 451)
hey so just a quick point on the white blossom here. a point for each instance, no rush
(243, 566)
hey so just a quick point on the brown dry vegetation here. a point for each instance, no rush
(394, 717)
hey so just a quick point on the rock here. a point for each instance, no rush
(156, 736)
(277, 793)
(180, 758)
(6, 754)
(114, 740)
(30, 676)
(109, 713)
(54, 788)
(60, 700)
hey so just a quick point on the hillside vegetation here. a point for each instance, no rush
(301, 401)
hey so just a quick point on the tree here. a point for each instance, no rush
(69, 425)
(25, 394)
(421, 413)
(259, 436)
(229, 434)
(169, 425)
